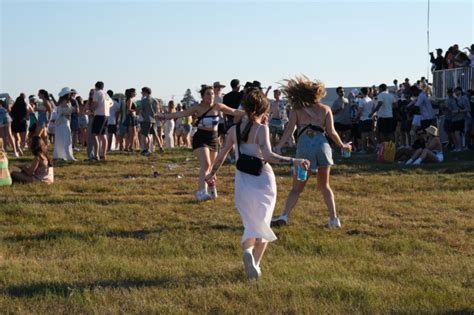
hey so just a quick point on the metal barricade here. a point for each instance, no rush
(452, 78)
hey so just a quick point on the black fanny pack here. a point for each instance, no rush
(246, 163)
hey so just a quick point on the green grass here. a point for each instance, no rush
(111, 238)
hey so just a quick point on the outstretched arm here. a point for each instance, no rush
(269, 156)
(188, 112)
(230, 111)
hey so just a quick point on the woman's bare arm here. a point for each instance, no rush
(289, 129)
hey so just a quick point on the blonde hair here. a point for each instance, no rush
(303, 92)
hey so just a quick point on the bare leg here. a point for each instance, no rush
(323, 186)
(259, 249)
(294, 194)
(204, 158)
(416, 154)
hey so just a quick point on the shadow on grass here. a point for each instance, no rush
(66, 289)
(86, 235)
(139, 234)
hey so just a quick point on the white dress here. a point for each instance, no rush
(169, 134)
(62, 137)
(255, 197)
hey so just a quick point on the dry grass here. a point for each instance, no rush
(97, 242)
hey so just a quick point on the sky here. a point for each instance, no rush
(174, 45)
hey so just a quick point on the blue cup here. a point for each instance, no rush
(302, 174)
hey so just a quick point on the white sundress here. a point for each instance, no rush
(62, 138)
(255, 196)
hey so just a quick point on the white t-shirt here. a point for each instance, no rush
(103, 103)
(386, 110)
(113, 110)
(367, 106)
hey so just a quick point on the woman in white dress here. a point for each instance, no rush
(169, 131)
(255, 196)
(63, 140)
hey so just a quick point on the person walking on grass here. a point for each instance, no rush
(205, 142)
(315, 123)
(148, 110)
(255, 195)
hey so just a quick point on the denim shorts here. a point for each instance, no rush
(316, 149)
(83, 121)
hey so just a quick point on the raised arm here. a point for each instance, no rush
(289, 129)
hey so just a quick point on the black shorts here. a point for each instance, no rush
(457, 125)
(355, 131)
(19, 126)
(386, 125)
(448, 125)
(221, 131)
(366, 125)
(206, 139)
(427, 122)
(112, 129)
(99, 124)
(148, 128)
(342, 127)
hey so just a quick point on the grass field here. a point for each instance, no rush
(111, 238)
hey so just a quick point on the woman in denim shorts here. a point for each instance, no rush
(315, 123)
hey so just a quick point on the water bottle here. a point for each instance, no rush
(302, 174)
(345, 153)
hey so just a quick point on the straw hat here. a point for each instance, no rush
(64, 91)
(432, 130)
(218, 84)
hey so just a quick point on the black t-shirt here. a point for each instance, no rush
(232, 99)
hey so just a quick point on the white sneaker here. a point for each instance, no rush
(16, 154)
(213, 192)
(202, 195)
(409, 162)
(334, 223)
(249, 265)
(279, 221)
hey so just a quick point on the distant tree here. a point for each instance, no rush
(188, 99)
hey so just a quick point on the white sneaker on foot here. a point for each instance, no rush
(279, 221)
(417, 162)
(334, 223)
(202, 195)
(249, 265)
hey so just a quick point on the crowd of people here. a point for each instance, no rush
(243, 126)
(453, 58)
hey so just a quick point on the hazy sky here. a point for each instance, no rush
(174, 45)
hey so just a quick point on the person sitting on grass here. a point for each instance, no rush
(403, 154)
(433, 152)
(41, 169)
(5, 179)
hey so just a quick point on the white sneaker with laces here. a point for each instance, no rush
(280, 220)
(249, 265)
(334, 223)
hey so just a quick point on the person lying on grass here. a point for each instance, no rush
(41, 168)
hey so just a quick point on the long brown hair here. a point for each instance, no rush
(39, 147)
(303, 92)
(255, 104)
